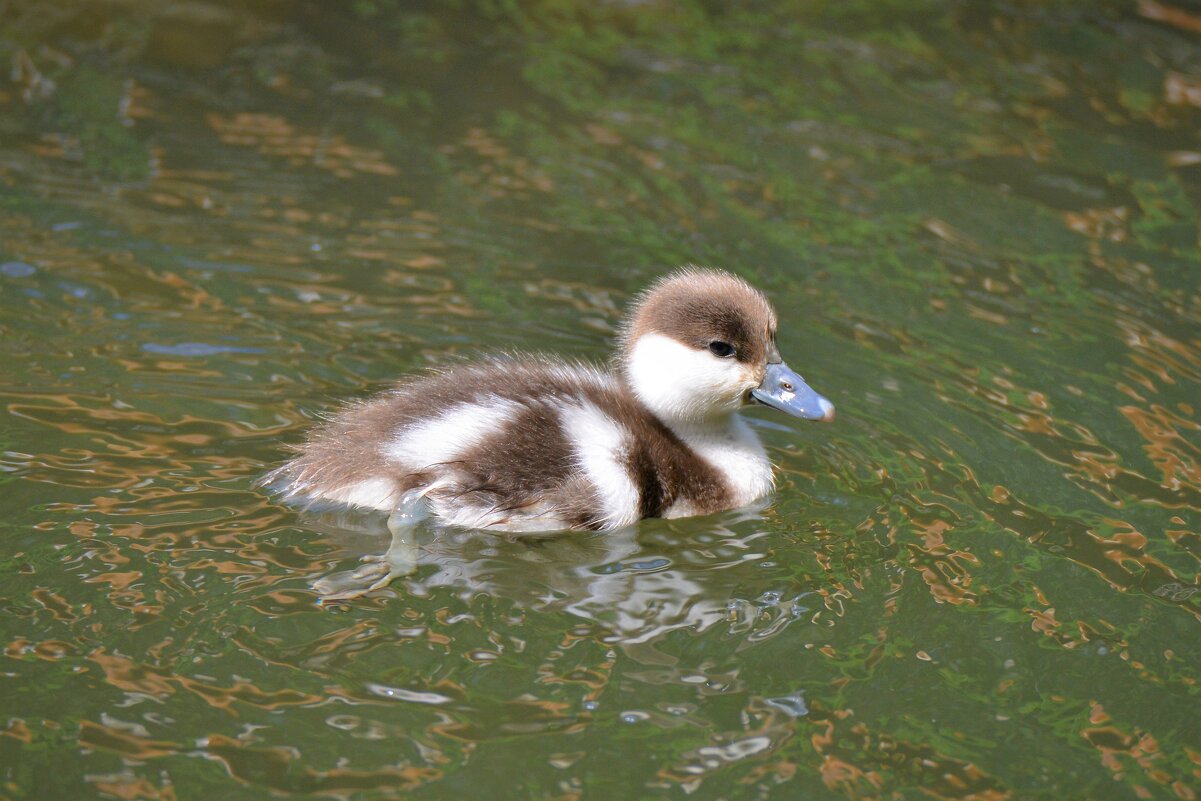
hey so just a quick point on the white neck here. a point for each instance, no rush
(733, 448)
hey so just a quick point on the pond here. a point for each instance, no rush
(977, 220)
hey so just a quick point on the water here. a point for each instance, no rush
(979, 225)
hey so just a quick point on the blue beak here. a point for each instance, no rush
(785, 390)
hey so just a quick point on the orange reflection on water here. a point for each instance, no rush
(943, 568)
(273, 135)
(17, 729)
(132, 788)
(501, 174)
(59, 607)
(282, 769)
(97, 735)
(1127, 753)
(856, 760)
(1163, 357)
(136, 677)
(137, 445)
(1110, 547)
(1026, 415)
(1178, 459)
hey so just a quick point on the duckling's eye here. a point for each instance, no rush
(723, 349)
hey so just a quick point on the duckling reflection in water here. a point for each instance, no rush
(636, 585)
(530, 444)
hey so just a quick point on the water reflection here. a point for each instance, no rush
(635, 596)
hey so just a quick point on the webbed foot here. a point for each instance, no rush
(379, 570)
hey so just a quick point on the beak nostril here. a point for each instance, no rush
(786, 386)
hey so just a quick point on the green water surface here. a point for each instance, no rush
(978, 221)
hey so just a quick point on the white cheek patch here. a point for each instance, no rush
(451, 434)
(682, 383)
(600, 443)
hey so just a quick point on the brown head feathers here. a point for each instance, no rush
(698, 306)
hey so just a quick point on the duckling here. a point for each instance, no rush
(527, 444)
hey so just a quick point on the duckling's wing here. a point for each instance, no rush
(503, 444)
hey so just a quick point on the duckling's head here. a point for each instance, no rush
(699, 344)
